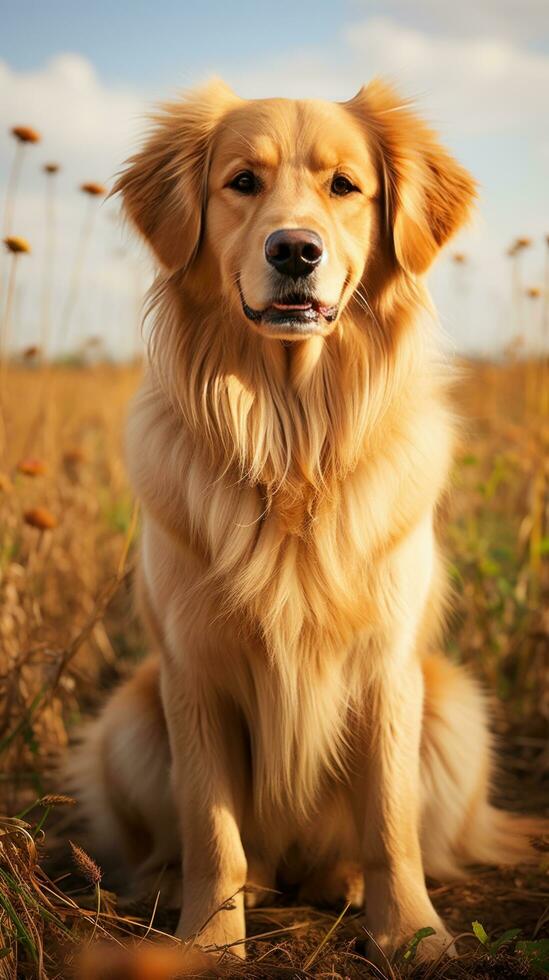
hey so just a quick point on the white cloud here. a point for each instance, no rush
(516, 19)
(82, 120)
(480, 84)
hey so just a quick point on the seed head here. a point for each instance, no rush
(25, 134)
(15, 244)
(523, 242)
(85, 864)
(94, 190)
(57, 799)
(51, 168)
(41, 518)
(32, 467)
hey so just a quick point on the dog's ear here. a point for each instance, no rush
(164, 185)
(429, 195)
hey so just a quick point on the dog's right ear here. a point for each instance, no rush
(164, 185)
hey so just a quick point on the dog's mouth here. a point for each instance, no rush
(295, 313)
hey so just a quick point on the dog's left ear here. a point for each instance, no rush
(429, 195)
(164, 185)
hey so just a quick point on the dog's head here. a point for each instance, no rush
(287, 208)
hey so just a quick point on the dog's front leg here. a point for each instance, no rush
(208, 783)
(397, 903)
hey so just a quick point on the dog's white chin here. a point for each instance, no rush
(291, 330)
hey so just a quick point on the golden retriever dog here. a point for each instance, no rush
(290, 447)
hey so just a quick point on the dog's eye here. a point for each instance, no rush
(341, 185)
(245, 183)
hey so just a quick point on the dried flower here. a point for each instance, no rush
(31, 352)
(93, 189)
(459, 258)
(16, 244)
(534, 292)
(32, 466)
(85, 864)
(51, 168)
(25, 134)
(41, 518)
(523, 242)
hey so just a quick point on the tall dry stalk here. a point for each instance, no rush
(544, 406)
(16, 247)
(515, 254)
(23, 135)
(93, 191)
(50, 170)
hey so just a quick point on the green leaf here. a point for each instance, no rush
(415, 941)
(506, 937)
(537, 952)
(480, 933)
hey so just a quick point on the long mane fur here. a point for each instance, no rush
(294, 460)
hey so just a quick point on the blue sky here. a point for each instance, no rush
(84, 74)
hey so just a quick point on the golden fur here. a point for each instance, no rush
(290, 577)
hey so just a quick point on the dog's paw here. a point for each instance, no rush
(424, 947)
(223, 931)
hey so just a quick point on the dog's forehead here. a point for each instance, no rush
(320, 135)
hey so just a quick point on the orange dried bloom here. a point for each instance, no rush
(533, 292)
(145, 962)
(523, 242)
(94, 190)
(25, 134)
(459, 258)
(15, 244)
(32, 466)
(31, 352)
(51, 168)
(41, 518)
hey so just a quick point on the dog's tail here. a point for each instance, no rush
(120, 774)
(459, 824)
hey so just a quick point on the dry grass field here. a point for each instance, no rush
(68, 530)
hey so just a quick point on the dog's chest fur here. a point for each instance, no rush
(292, 507)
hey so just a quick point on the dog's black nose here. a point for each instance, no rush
(294, 252)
